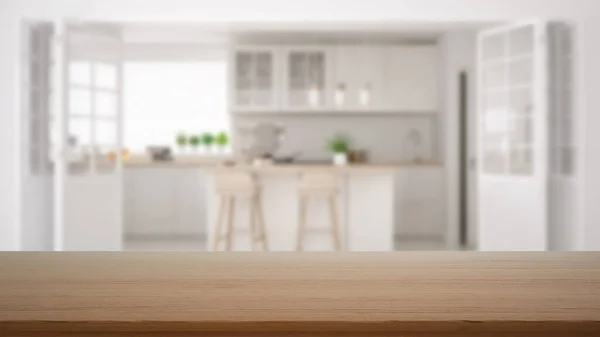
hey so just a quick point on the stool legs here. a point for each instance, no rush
(226, 231)
(230, 224)
(301, 223)
(335, 231)
(262, 232)
(220, 222)
(252, 223)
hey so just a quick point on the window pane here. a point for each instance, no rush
(521, 71)
(521, 161)
(106, 104)
(80, 101)
(189, 97)
(494, 76)
(106, 133)
(494, 161)
(105, 75)
(521, 41)
(494, 47)
(80, 73)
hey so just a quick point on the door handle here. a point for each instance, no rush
(472, 163)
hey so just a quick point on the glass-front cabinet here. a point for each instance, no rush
(254, 80)
(306, 78)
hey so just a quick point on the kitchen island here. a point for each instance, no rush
(380, 205)
(365, 206)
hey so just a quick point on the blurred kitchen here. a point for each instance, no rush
(282, 137)
(292, 99)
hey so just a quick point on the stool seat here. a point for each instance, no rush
(231, 186)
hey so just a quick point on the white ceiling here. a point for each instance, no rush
(325, 32)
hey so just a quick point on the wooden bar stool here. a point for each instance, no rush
(232, 186)
(318, 185)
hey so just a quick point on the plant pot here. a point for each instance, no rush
(340, 159)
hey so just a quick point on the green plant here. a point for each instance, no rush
(181, 139)
(222, 139)
(194, 141)
(208, 139)
(339, 143)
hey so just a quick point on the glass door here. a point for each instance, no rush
(88, 138)
(254, 79)
(513, 137)
(306, 80)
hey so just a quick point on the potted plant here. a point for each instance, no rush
(195, 141)
(182, 141)
(222, 140)
(208, 139)
(339, 144)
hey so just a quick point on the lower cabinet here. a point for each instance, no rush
(420, 205)
(164, 202)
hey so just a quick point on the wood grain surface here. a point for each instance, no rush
(262, 294)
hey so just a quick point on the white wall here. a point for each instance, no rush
(584, 13)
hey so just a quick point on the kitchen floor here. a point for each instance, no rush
(200, 245)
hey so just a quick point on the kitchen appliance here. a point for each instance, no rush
(260, 140)
(160, 153)
(357, 156)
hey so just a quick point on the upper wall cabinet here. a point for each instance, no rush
(306, 78)
(412, 78)
(359, 78)
(352, 78)
(254, 78)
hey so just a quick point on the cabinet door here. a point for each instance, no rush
(346, 79)
(420, 204)
(254, 78)
(372, 90)
(190, 203)
(153, 202)
(359, 77)
(306, 78)
(413, 79)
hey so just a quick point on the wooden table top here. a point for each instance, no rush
(280, 291)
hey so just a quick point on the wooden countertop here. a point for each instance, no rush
(214, 164)
(435, 293)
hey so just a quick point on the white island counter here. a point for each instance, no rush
(365, 208)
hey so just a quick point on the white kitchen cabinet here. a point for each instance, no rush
(412, 79)
(189, 202)
(370, 212)
(359, 72)
(351, 78)
(420, 203)
(254, 78)
(149, 203)
(164, 202)
(306, 78)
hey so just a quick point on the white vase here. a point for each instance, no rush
(340, 159)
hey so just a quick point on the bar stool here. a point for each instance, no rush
(318, 185)
(238, 185)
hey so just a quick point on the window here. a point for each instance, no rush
(162, 99)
